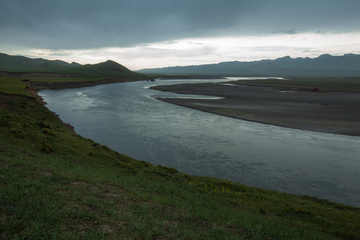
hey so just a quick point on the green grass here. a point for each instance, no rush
(55, 184)
(12, 86)
(64, 79)
(21, 64)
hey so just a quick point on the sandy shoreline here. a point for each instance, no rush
(330, 112)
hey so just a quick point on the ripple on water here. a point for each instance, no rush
(127, 118)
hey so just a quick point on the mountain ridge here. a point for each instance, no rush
(15, 64)
(324, 65)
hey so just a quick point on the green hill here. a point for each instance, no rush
(105, 69)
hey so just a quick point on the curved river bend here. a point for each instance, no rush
(127, 118)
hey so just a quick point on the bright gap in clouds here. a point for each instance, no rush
(212, 50)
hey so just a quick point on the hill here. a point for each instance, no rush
(17, 64)
(324, 65)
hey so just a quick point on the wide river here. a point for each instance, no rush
(127, 118)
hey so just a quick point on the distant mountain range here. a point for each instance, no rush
(109, 68)
(324, 65)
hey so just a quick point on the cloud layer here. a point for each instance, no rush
(88, 24)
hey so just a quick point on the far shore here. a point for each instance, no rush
(327, 111)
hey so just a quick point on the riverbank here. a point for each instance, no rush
(28, 84)
(58, 185)
(278, 104)
(38, 86)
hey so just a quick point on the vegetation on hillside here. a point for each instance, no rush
(105, 69)
(55, 184)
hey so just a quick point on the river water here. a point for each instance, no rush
(127, 118)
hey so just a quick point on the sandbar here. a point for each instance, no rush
(329, 112)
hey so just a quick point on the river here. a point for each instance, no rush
(127, 118)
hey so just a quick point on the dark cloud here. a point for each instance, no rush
(82, 24)
(289, 31)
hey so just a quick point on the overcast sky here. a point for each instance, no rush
(159, 33)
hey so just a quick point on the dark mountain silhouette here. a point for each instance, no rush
(324, 65)
(109, 68)
(18, 62)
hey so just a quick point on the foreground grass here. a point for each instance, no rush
(55, 184)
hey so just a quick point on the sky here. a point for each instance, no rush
(160, 33)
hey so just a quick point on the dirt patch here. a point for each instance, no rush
(107, 228)
(81, 184)
(45, 173)
(112, 195)
(5, 164)
(30, 90)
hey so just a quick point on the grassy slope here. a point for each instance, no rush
(104, 69)
(56, 185)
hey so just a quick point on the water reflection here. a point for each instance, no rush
(128, 119)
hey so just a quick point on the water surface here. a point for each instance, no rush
(127, 118)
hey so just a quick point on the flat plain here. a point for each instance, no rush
(323, 105)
